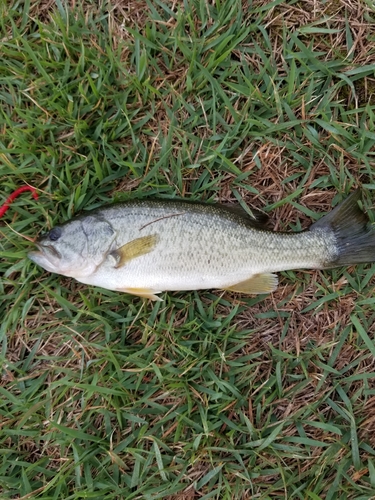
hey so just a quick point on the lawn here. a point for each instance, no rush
(209, 394)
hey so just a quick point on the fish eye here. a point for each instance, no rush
(55, 233)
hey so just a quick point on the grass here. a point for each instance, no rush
(210, 394)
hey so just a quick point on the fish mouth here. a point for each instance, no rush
(46, 256)
(51, 250)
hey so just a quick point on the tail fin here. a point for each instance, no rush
(354, 235)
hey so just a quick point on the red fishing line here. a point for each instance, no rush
(14, 195)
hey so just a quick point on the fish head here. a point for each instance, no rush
(74, 249)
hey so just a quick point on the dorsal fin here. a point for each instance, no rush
(258, 218)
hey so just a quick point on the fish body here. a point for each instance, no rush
(145, 247)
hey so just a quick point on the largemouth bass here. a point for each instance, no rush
(145, 247)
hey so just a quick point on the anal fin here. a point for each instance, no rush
(256, 284)
(145, 293)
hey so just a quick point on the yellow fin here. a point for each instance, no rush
(258, 283)
(142, 292)
(133, 249)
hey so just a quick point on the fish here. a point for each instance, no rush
(148, 246)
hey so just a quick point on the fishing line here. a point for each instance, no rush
(14, 195)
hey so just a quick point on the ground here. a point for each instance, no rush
(207, 394)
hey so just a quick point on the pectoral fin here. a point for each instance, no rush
(133, 249)
(258, 283)
(142, 292)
